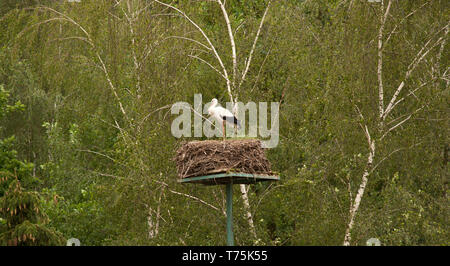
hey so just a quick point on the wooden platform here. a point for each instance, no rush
(227, 178)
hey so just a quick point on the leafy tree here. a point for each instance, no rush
(98, 79)
(25, 222)
(22, 220)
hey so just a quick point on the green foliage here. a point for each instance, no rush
(20, 210)
(10, 164)
(93, 149)
(22, 221)
(5, 107)
(25, 223)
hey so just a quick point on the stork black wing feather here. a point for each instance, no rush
(232, 120)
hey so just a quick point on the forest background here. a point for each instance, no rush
(85, 145)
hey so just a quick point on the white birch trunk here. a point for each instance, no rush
(244, 194)
(230, 81)
(362, 187)
(380, 62)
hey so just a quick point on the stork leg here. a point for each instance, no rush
(223, 130)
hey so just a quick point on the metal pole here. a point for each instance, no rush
(230, 237)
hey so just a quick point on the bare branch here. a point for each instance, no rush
(402, 20)
(380, 60)
(89, 40)
(394, 127)
(150, 49)
(415, 62)
(189, 39)
(73, 38)
(204, 61)
(154, 111)
(133, 46)
(437, 65)
(247, 66)
(409, 94)
(390, 154)
(233, 45)
(68, 19)
(225, 73)
(103, 174)
(260, 69)
(101, 154)
(189, 196)
(401, 122)
(111, 85)
(195, 198)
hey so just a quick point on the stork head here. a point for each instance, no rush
(212, 106)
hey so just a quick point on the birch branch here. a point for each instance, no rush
(401, 21)
(190, 196)
(158, 211)
(247, 66)
(89, 40)
(394, 127)
(159, 109)
(437, 65)
(73, 38)
(195, 198)
(67, 18)
(225, 73)
(230, 35)
(380, 61)
(390, 154)
(133, 46)
(103, 155)
(188, 39)
(355, 206)
(148, 50)
(111, 85)
(260, 69)
(151, 232)
(401, 122)
(409, 94)
(103, 174)
(208, 64)
(415, 62)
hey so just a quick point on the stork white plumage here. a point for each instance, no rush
(222, 115)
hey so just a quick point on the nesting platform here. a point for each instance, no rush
(230, 177)
(224, 162)
(243, 160)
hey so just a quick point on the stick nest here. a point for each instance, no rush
(198, 158)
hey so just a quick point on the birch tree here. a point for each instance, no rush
(130, 16)
(390, 121)
(232, 78)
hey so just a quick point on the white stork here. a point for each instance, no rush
(222, 115)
